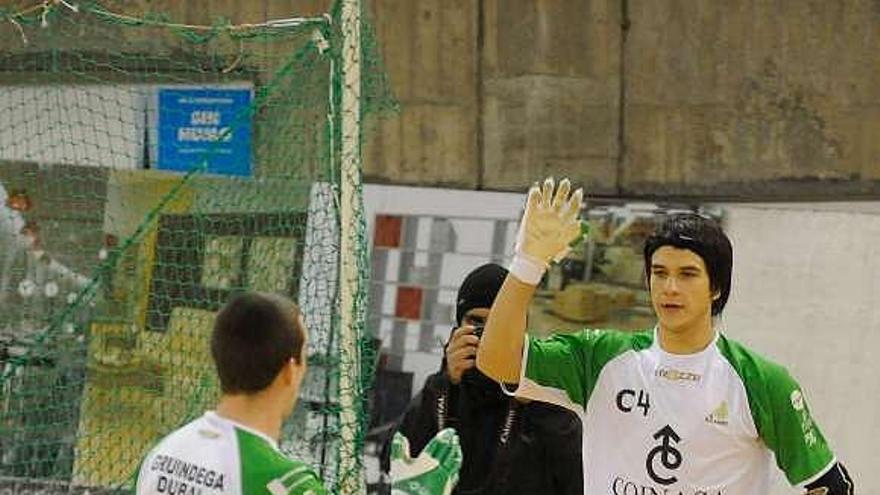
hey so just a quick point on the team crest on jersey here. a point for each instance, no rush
(720, 415)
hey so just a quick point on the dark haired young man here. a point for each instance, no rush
(258, 350)
(678, 409)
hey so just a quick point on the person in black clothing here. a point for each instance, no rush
(509, 446)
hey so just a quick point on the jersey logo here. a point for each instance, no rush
(798, 403)
(720, 415)
(677, 375)
(209, 434)
(669, 457)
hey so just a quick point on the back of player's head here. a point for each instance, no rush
(255, 334)
(703, 236)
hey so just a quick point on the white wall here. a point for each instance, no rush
(806, 293)
(97, 125)
(88, 125)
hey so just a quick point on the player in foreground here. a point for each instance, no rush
(678, 409)
(258, 349)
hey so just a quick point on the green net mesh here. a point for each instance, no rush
(149, 169)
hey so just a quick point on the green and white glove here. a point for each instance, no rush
(548, 227)
(433, 472)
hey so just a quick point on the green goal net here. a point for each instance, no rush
(150, 168)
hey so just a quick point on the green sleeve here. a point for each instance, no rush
(266, 471)
(292, 479)
(307, 485)
(568, 364)
(781, 415)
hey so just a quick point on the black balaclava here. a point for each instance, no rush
(478, 291)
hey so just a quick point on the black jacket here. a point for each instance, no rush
(509, 447)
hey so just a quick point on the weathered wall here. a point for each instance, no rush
(198, 12)
(743, 99)
(429, 50)
(497, 92)
(550, 82)
(752, 98)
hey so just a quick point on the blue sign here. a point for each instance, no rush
(205, 126)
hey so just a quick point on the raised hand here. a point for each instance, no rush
(548, 227)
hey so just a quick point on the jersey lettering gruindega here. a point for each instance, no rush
(709, 423)
(215, 456)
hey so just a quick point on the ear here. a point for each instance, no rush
(297, 368)
(288, 372)
(716, 295)
(291, 372)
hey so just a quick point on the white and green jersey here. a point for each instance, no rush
(709, 423)
(215, 456)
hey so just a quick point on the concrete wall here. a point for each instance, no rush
(497, 92)
(749, 98)
(198, 12)
(550, 80)
(740, 99)
(429, 49)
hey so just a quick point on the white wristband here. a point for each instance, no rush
(527, 269)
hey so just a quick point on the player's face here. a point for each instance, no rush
(680, 290)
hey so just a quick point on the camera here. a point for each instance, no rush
(478, 331)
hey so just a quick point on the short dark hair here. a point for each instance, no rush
(255, 334)
(703, 236)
